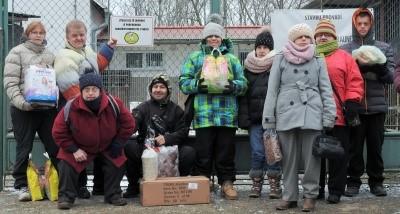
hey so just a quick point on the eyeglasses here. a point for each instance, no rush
(37, 33)
(326, 35)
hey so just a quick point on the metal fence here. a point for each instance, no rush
(177, 33)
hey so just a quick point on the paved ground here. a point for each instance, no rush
(364, 203)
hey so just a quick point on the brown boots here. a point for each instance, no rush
(258, 179)
(308, 205)
(228, 191)
(255, 191)
(275, 187)
(284, 205)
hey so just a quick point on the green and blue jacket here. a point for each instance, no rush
(213, 109)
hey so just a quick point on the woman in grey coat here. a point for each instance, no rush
(299, 104)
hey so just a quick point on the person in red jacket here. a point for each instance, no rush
(348, 87)
(92, 129)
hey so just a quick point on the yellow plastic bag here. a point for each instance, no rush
(215, 72)
(34, 186)
(50, 180)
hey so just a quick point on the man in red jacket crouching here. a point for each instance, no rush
(93, 124)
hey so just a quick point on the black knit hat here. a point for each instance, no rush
(265, 38)
(90, 79)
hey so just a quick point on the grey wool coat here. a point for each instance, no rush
(299, 96)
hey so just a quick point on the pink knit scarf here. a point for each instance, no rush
(259, 64)
(298, 55)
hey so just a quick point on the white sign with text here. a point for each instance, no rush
(282, 20)
(132, 31)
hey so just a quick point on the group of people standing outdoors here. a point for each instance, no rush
(311, 86)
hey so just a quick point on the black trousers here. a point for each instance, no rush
(25, 126)
(98, 175)
(69, 180)
(337, 168)
(134, 170)
(215, 144)
(370, 131)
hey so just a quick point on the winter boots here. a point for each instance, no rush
(275, 186)
(255, 191)
(228, 191)
(258, 180)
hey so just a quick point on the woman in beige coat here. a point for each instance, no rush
(299, 104)
(27, 118)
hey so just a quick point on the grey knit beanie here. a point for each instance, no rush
(214, 26)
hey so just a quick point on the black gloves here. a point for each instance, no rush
(230, 88)
(72, 148)
(159, 124)
(327, 130)
(351, 112)
(203, 89)
(378, 69)
(351, 108)
(115, 149)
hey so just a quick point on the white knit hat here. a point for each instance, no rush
(300, 30)
(214, 26)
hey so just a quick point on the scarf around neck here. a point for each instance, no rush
(327, 48)
(259, 64)
(94, 105)
(296, 54)
(35, 47)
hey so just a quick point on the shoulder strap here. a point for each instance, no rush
(337, 94)
(114, 105)
(112, 102)
(67, 108)
(91, 65)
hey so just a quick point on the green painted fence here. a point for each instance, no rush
(391, 150)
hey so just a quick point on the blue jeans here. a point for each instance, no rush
(258, 161)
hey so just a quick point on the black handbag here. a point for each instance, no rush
(326, 146)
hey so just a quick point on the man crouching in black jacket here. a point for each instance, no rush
(167, 120)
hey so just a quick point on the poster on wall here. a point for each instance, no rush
(132, 31)
(282, 20)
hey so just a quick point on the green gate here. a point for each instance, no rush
(3, 52)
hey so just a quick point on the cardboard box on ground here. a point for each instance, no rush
(175, 190)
